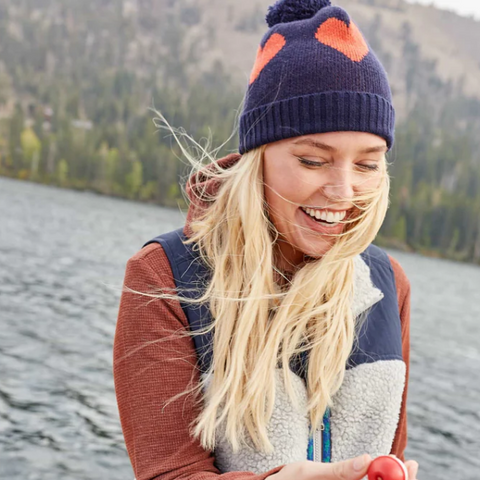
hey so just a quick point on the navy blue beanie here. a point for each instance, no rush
(314, 73)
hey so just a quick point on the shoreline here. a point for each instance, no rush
(395, 244)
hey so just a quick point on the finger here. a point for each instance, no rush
(412, 469)
(353, 469)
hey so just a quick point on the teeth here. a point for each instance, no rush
(326, 216)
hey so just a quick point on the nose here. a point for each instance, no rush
(339, 184)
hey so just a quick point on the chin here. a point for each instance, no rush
(314, 248)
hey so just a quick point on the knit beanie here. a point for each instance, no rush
(314, 73)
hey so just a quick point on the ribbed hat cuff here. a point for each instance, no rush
(317, 113)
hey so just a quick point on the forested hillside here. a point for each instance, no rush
(76, 79)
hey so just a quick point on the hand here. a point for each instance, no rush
(353, 469)
(412, 469)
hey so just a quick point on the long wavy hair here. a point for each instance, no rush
(258, 326)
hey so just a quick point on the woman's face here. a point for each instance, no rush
(311, 182)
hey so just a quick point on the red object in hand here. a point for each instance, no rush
(387, 468)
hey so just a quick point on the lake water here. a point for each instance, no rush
(62, 260)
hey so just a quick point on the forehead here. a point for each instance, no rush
(333, 142)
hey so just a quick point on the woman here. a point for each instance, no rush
(269, 332)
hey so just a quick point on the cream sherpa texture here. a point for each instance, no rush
(364, 418)
(287, 430)
(365, 410)
(365, 293)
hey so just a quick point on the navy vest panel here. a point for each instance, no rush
(189, 273)
(380, 335)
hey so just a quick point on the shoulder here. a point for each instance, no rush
(401, 280)
(153, 253)
(403, 287)
(378, 258)
(150, 265)
(147, 273)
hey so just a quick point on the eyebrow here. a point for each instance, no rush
(329, 148)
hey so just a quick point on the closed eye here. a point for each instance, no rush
(311, 163)
(372, 168)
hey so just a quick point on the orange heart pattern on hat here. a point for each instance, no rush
(264, 55)
(346, 39)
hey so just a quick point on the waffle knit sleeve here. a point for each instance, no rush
(403, 294)
(151, 365)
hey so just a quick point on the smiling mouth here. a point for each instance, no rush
(325, 217)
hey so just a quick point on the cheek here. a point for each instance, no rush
(284, 191)
(369, 182)
(280, 183)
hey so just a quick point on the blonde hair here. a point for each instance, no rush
(258, 326)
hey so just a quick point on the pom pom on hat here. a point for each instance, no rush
(285, 11)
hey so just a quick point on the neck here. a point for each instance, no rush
(287, 259)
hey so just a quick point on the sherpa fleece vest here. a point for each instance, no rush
(365, 410)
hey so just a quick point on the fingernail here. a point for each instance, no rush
(359, 463)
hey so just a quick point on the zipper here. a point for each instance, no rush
(318, 444)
